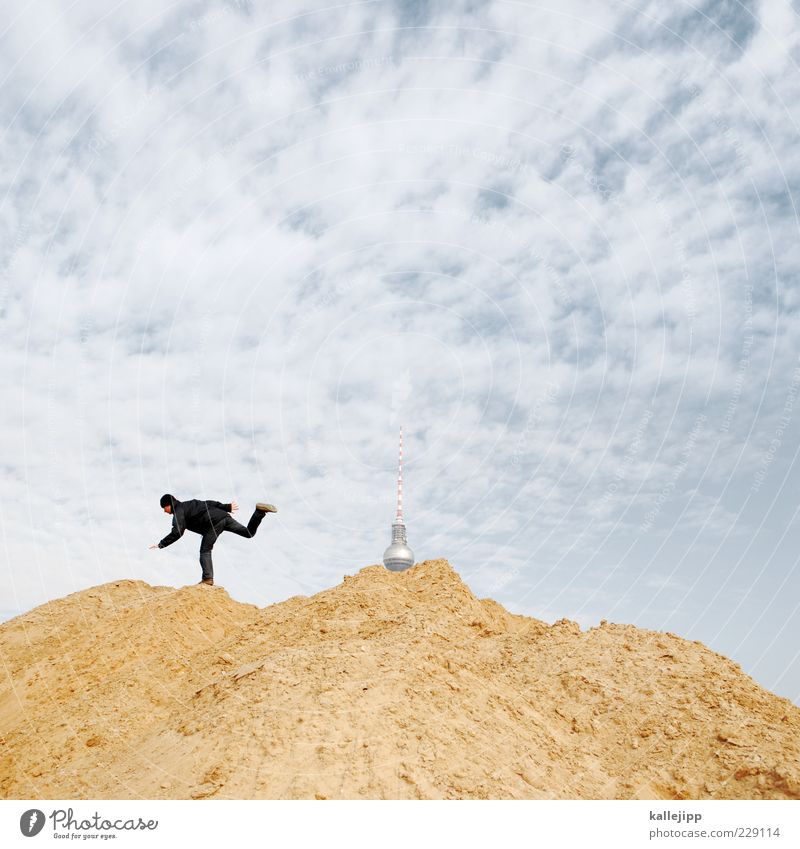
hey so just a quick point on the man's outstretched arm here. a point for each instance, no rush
(175, 534)
(228, 508)
(178, 527)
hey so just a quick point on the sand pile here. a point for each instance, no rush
(390, 685)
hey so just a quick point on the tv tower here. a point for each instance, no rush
(398, 556)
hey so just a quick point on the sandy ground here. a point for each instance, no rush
(390, 685)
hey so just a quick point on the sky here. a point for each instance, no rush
(242, 243)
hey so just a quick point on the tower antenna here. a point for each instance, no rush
(398, 556)
(399, 514)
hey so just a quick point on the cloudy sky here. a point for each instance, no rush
(243, 242)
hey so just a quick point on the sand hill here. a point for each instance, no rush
(390, 685)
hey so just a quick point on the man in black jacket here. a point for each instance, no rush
(210, 519)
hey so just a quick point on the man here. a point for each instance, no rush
(210, 519)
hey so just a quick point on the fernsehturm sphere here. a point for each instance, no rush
(398, 556)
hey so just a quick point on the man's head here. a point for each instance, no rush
(167, 502)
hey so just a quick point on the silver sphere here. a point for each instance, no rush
(398, 557)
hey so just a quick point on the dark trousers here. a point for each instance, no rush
(226, 524)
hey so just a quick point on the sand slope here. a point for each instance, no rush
(390, 685)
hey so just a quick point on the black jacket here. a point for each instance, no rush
(194, 515)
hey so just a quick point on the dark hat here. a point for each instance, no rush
(166, 500)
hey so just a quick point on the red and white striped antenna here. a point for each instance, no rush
(398, 556)
(399, 516)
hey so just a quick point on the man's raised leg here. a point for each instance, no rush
(252, 526)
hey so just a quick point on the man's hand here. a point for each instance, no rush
(154, 546)
(234, 506)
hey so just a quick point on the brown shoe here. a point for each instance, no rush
(266, 508)
(209, 581)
